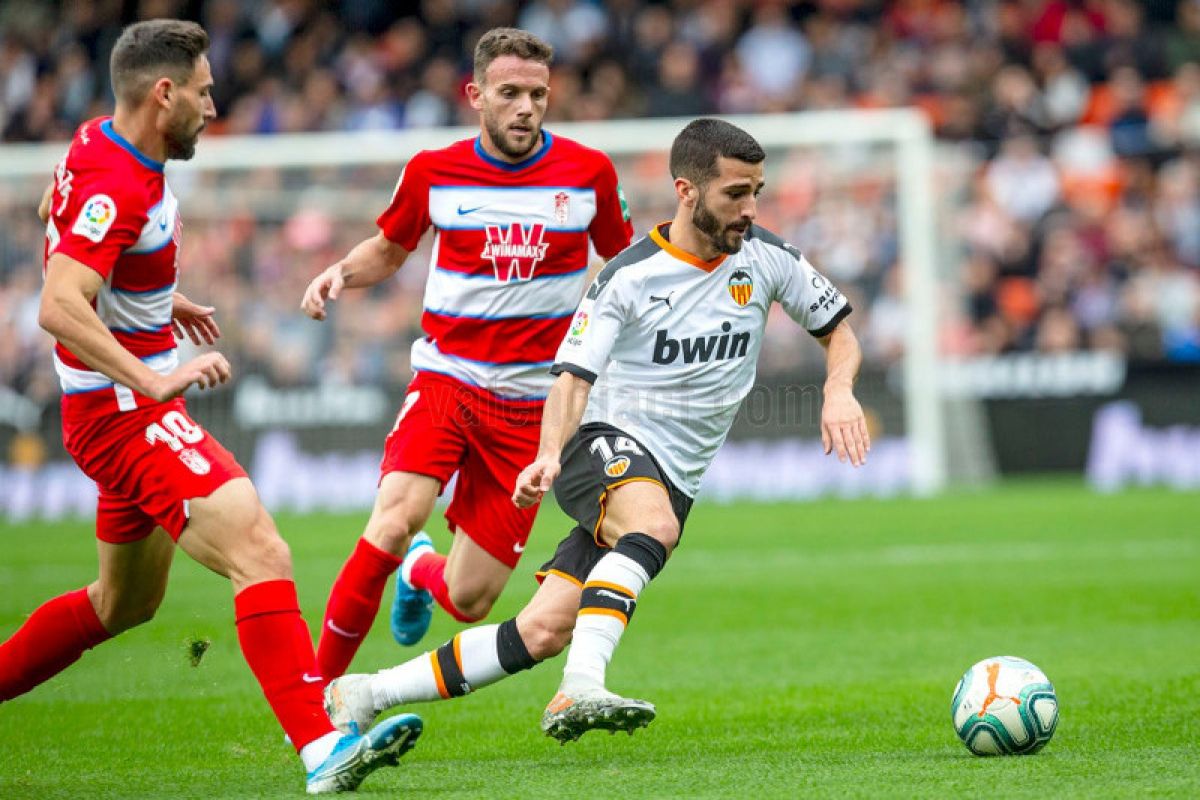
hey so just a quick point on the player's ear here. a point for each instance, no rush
(475, 95)
(686, 192)
(163, 92)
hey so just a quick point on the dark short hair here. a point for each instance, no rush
(157, 48)
(695, 150)
(510, 42)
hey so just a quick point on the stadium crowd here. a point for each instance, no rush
(1077, 225)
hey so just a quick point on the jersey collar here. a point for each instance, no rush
(107, 129)
(547, 141)
(658, 235)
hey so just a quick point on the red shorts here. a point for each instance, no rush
(446, 426)
(147, 464)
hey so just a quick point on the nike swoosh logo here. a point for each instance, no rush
(311, 678)
(462, 211)
(340, 631)
(518, 548)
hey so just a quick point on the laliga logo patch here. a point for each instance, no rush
(616, 466)
(98, 214)
(515, 251)
(741, 286)
(579, 324)
(562, 208)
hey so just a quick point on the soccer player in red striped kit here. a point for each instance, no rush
(513, 211)
(109, 300)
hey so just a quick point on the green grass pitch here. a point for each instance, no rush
(792, 650)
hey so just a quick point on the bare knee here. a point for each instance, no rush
(473, 601)
(269, 555)
(664, 530)
(390, 530)
(400, 511)
(545, 635)
(260, 554)
(119, 610)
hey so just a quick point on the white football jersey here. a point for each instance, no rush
(670, 342)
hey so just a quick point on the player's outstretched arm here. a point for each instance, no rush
(560, 417)
(66, 313)
(193, 320)
(370, 262)
(843, 425)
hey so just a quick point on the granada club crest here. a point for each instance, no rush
(562, 208)
(741, 286)
(516, 250)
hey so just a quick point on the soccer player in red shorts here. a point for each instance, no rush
(513, 209)
(112, 238)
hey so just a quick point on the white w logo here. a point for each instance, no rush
(515, 252)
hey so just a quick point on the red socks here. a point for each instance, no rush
(278, 647)
(52, 639)
(429, 573)
(353, 604)
(274, 639)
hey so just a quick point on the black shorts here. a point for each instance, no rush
(597, 459)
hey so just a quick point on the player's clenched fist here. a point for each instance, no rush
(535, 480)
(327, 285)
(205, 371)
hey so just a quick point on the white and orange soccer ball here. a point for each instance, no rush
(1004, 706)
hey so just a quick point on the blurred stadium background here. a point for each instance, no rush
(1063, 200)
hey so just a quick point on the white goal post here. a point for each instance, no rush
(905, 130)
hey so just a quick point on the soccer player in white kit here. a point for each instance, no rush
(659, 356)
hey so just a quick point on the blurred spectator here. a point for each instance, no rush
(1023, 182)
(678, 92)
(1079, 229)
(774, 52)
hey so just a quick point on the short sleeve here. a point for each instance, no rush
(594, 330)
(99, 222)
(611, 229)
(808, 296)
(406, 218)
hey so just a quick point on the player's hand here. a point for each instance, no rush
(193, 320)
(326, 286)
(205, 371)
(535, 480)
(844, 427)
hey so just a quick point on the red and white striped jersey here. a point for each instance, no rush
(510, 255)
(112, 211)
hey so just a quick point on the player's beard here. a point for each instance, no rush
(181, 141)
(499, 137)
(723, 238)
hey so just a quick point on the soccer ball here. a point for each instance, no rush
(1004, 706)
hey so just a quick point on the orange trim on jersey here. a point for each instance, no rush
(683, 255)
(616, 587)
(604, 499)
(608, 612)
(437, 676)
(542, 575)
(458, 651)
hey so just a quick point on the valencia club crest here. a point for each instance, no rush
(741, 286)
